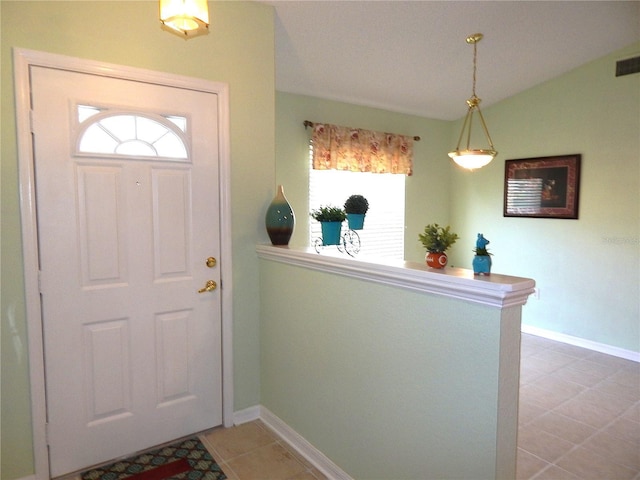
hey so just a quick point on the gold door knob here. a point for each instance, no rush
(209, 286)
(211, 262)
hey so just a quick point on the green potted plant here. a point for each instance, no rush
(437, 240)
(330, 219)
(356, 208)
(482, 259)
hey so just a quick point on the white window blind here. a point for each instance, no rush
(383, 233)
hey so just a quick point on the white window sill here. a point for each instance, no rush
(494, 290)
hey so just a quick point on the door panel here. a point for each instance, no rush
(102, 245)
(172, 223)
(132, 350)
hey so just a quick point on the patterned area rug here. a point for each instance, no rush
(186, 460)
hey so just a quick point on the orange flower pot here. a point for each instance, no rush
(436, 259)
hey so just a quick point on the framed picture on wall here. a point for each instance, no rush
(543, 187)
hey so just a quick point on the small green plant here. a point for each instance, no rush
(329, 214)
(482, 251)
(356, 204)
(436, 238)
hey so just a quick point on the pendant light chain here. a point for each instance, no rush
(475, 55)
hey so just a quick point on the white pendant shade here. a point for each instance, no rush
(472, 159)
(187, 18)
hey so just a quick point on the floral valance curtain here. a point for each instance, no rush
(358, 150)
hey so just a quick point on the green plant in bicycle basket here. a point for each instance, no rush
(328, 214)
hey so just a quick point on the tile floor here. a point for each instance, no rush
(579, 414)
(251, 451)
(579, 420)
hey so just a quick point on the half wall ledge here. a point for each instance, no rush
(493, 290)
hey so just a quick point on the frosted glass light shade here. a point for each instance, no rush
(187, 18)
(472, 159)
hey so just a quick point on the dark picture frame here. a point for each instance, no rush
(542, 187)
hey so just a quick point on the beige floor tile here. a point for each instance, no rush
(588, 465)
(303, 476)
(633, 413)
(536, 341)
(571, 350)
(554, 472)
(527, 349)
(229, 443)
(529, 411)
(228, 471)
(610, 360)
(528, 465)
(543, 397)
(581, 377)
(595, 368)
(271, 462)
(296, 455)
(548, 362)
(553, 358)
(542, 444)
(586, 412)
(564, 427)
(559, 389)
(617, 389)
(615, 449)
(606, 401)
(629, 376)
(529, 375)
(626, 429)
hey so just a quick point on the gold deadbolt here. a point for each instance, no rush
(209, 286)
(211, 262)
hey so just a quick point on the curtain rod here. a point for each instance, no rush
(307, 123)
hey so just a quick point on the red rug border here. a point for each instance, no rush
(163, 471)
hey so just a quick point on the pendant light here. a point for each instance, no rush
(186, 18)
(472, 158)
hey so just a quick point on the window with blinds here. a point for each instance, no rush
(383, 233)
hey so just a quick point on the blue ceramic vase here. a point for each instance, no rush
(280, 219)
(482, 265)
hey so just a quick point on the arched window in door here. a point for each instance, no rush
(111, 133)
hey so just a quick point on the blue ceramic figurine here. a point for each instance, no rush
(482, 242)
(482, 260)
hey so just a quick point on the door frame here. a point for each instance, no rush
(23, 59)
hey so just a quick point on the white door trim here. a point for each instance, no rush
(23, 60)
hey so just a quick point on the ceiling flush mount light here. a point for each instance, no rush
(186, 18)
(471, 158)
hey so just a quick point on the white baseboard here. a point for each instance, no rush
(303, 447)
(30, 477)
(247, 415)
(581, 342)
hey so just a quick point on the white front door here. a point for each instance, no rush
(127, 190)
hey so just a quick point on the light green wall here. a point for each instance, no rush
(239, 50)
(386, 382)
(427, 195)
(588, 269)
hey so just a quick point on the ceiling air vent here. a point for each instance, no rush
(628, 66)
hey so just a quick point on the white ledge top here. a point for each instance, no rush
(495, 290)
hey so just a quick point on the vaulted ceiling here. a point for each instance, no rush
(412, 57)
